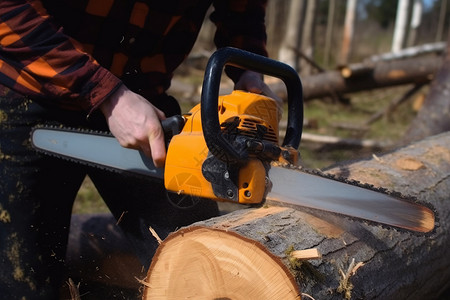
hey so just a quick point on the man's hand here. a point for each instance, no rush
(253, 82)
(135, 123)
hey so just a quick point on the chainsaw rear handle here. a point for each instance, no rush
(217, 144)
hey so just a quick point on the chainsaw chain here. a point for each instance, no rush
(367, 186)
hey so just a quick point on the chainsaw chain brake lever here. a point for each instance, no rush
(172, 126)
(215, 139)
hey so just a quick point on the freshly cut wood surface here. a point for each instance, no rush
(208, 263)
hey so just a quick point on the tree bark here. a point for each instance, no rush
(359, 261)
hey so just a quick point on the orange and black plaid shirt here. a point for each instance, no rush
(74, 53)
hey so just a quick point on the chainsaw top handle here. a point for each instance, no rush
(217, 144)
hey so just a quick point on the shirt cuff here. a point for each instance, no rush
(103, 84)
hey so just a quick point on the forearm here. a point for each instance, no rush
(38, 60)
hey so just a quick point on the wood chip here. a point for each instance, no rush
(155, 235)
(306, 254)
(121, 217)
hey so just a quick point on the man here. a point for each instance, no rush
(98, 64)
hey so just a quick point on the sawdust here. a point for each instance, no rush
(5, 217)
(18, 274)
(4, 156)
(3, 116)
(20, 187)
(13, 254)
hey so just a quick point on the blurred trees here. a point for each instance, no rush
(315, 29)
(382, 11)
(373, 23)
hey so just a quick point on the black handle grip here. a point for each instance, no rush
(172, 126)
(215, 141)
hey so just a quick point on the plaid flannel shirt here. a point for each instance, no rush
(73, 54)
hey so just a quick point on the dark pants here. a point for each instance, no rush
(36, 197)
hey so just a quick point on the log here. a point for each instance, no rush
(337, 142)
(247, 254)
(360, 77)
(437, 48)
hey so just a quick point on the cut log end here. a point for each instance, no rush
(205, 263)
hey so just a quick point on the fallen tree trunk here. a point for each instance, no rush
(337, 142)
(246, 254)
(436, 48)
(362, 77)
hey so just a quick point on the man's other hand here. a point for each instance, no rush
(251, 81)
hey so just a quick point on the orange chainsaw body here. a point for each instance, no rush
(188, 150)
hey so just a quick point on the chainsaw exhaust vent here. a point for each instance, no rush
(251, 127)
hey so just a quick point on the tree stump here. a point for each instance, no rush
(247, 254)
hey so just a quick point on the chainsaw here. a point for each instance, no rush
(227, 149)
